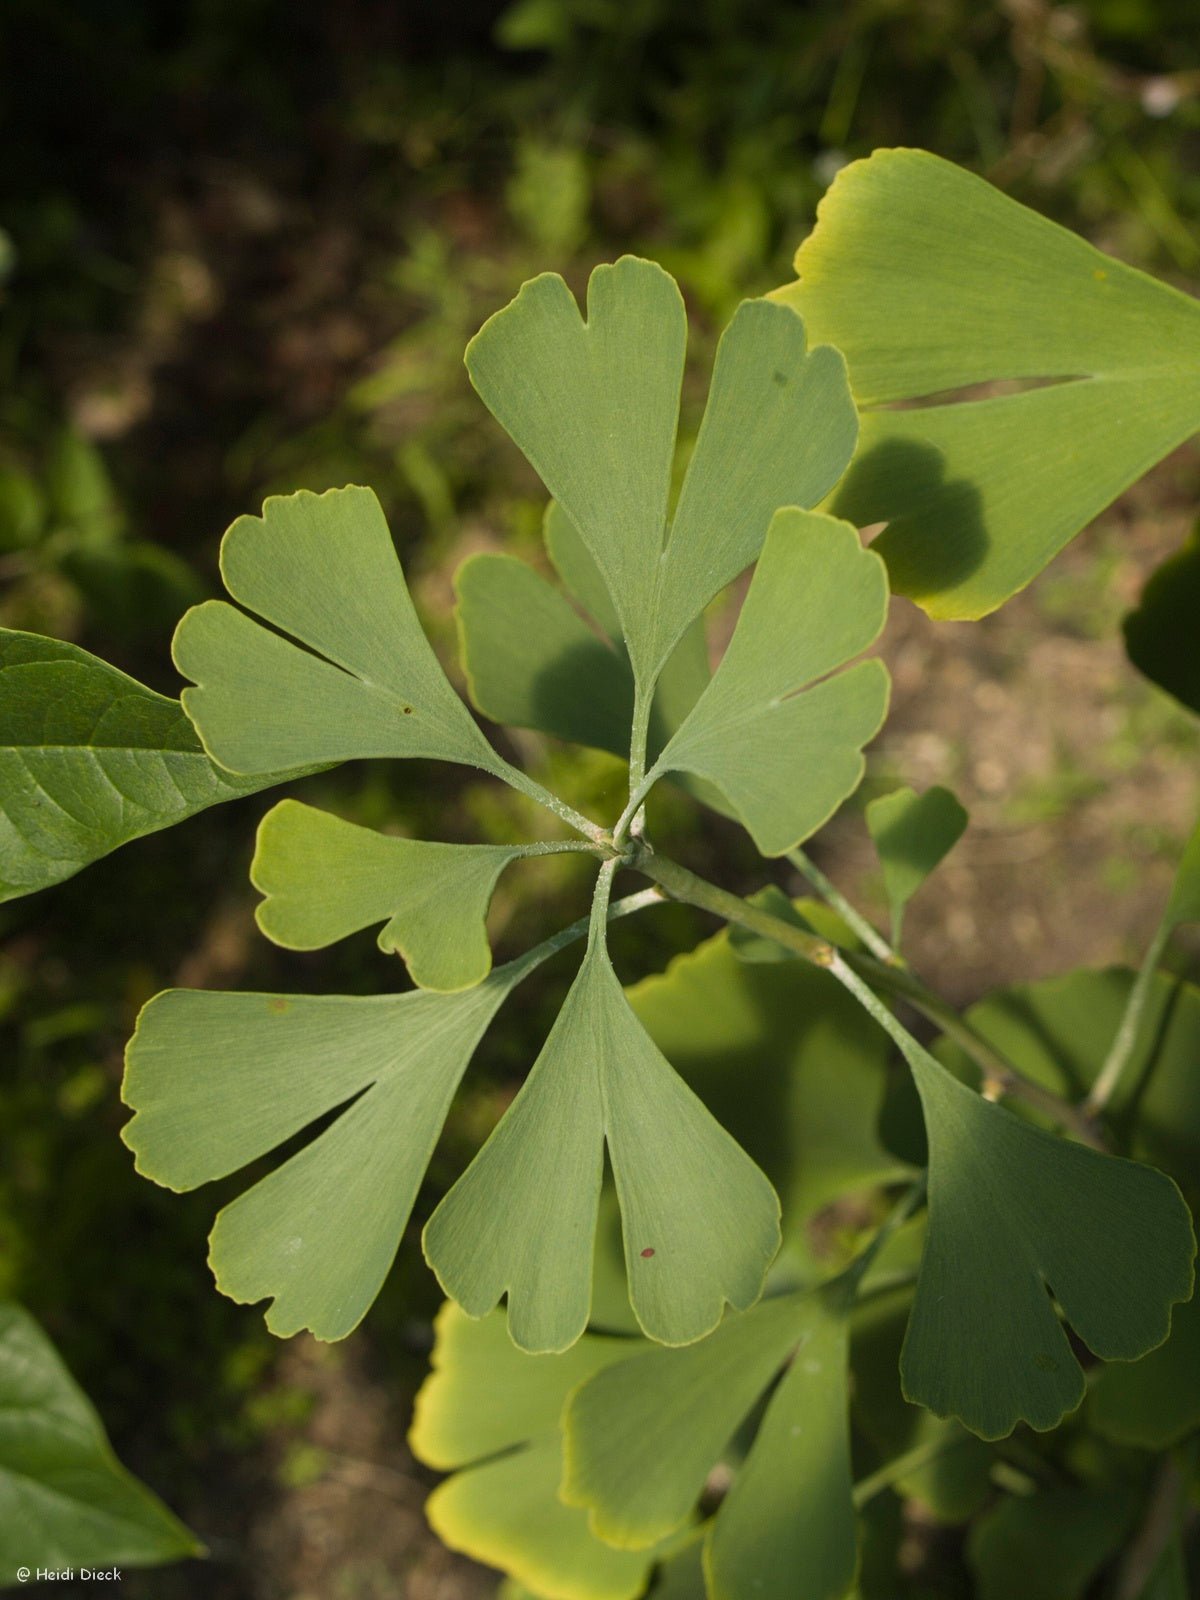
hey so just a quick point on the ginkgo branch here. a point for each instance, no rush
(1126, 1036)
(919, 1456)
(852, 971)
(850, 914)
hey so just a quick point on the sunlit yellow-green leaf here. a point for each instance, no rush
(929, 279)
(493, 1410)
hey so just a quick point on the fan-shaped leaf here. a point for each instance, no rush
(701, 1222)
(1014, 1212)
(643, 1435)
(785, 759)
(65, 1499)
(90, 759)
(640, 1444)
(953, 1479)
(929, 279)
(1049, 1545)
(594, 407)
(786, 1527)
(324, 878)
(217, 1080)
(532, 662)
(913, 833)
(494, 1410)
(1153, 1402)
(787, 1061)
(323, 569)
(1059, 1030)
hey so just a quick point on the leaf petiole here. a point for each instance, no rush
(850, 915)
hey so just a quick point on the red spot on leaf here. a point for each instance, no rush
(647, 1252)
(277, 1004)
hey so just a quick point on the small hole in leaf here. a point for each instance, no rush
(647, 1252)
(408, 711)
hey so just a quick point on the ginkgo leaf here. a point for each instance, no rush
(1015, 1215)
(532, 661)
(641, 1443)
(929, 279)
(700, 1221)
(90, 759)
(1059, 1030)
(1160, 633)
(216, 1080)
(581, 577)
(594, 407)
(492, 1409)
(787, 1526)
(484, 1396)
(786, 759)
(912, 833)
(323, 569)
(643, 1435)
(324, 878)
(951, 1475)
(787, 1061)
(65, 1499)
(1153, 1402)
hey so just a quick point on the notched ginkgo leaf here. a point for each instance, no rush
(89, 760)
(532, 661)
(1016, 1215)
(1155, 1402)
(779, 729)
(786, 1060)
(912, 834)
(929, 279)
(218, 1080)
(488, 1413)
(594, 407)
(323, 569)
(324, 878)
(643, 1435)
(700, 1221)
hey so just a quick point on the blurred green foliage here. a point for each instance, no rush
(243, 248)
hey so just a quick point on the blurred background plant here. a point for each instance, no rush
(243, 248)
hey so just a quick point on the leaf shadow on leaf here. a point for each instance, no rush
(936, 536)
(586, 691)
